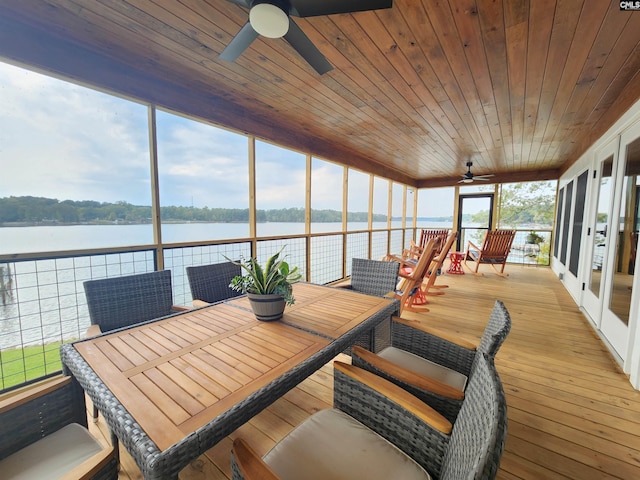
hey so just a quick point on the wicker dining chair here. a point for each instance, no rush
(123, 301)
(43, 435)
(210, 283)
(373, 277)
(378, 278)
(378, 431)
(434, 367)
(119, 302)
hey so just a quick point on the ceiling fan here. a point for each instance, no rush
(469, 177)
(272, 19)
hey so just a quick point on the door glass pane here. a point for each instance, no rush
(556, 242)
(578, 216)
(474, 219)
(600, 232)
(565, 223)
(626, 239)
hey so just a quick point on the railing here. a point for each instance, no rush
(522, 250)
(45, 305)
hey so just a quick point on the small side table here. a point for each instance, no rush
(455, 267)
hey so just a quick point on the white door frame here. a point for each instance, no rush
(591, 303)
(617, 333)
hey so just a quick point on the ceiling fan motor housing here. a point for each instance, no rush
(270, 18)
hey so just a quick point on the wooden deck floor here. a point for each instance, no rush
(572, 412)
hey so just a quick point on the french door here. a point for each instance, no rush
(475, 217)
(598, 232)
(621, 254)
(609, 283)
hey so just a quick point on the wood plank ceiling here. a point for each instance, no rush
(519, 87)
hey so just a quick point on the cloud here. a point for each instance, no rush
(326, 185)
(68, 142)
(65, 141)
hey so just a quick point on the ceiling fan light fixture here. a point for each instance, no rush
(467, 180)
(269, 20)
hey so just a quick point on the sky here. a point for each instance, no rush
(64, 141)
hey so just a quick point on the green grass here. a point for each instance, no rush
(23, 364)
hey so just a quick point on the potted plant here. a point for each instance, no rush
(268, 288)
(533, 238)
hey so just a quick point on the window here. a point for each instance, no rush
(380, 202)
(326, 196)
(435, 207)
(280, 190)
(397, 205)
(80, 155)
(204, 180)
(358, 201)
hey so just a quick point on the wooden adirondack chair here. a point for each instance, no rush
(495, 249)
(415, 249)
(440, 234)
(412, 277)
(429, 287)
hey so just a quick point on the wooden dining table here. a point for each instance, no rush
(172, 388)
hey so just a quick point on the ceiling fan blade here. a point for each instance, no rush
(307, 50)
(239, 44)
(313, 8)
(484, 177)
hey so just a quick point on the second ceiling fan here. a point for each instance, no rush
(272, 19)
(469, 177)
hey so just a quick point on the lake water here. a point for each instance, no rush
(78, 237)
(47, 302)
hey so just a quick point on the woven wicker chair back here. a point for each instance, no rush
(210, 283)
(496, 330)
(122, 301)
(374, 277)
(479, 432)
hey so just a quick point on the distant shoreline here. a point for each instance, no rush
(175, 222)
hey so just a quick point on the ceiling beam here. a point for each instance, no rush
(505, 177)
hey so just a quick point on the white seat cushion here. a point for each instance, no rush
(52, 456)
(424, 367)
(332, 445)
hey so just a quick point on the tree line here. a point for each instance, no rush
(34, 210)
(524, 204)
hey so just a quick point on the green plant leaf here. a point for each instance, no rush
(275, 278)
